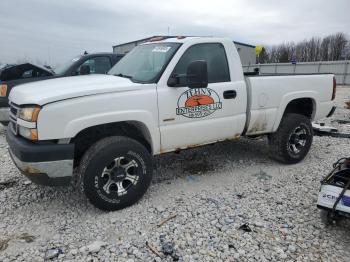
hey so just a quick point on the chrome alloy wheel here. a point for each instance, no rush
(297, 140)
(119, 176)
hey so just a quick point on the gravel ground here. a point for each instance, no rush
(209, 192)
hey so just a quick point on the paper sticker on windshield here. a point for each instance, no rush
(161, 49)
(198, 102)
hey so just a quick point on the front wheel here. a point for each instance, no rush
(116, 172)
(292, 140)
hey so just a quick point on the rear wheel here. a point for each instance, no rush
(292, 140)
(116, 172)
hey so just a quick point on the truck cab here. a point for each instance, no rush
(163, 96)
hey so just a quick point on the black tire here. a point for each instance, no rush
(104, 176)
(4, 123)
(292, 140)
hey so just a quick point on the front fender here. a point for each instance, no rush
(66, 118)
(77, 125)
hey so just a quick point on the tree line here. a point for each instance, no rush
(330, 48)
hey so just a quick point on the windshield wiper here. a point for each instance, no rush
(122, 75)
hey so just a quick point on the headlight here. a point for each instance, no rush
(29, 114)
(29, 133)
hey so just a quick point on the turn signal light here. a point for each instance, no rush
(28, 133)
(35, 114)
(33, 134)
(3, 90)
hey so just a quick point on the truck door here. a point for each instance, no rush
(190, 117)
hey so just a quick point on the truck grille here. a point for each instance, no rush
(13, 118)
(13, 110)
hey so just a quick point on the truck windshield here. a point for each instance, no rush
(145, 63)
(61, 70)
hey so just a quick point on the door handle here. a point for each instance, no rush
(230, 94)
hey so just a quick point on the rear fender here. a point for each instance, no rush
(286, 99)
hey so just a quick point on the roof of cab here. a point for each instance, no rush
(173, 39)
(187, 39)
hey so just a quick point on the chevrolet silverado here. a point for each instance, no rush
(163, 96)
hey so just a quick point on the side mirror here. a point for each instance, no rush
(197, 74)
(84, 70)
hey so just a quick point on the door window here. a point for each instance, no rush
(215, 56)
(34, 73)
(28, 74)
(98, 65)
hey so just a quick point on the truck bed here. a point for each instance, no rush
(269, 95)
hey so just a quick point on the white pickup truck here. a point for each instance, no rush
(164, 96)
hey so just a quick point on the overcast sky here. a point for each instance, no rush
(53, 31)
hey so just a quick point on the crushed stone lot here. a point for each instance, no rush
(224, 202)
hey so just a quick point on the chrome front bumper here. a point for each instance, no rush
(46, 164)
(53, 173)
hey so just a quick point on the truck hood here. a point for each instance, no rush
(48, 91)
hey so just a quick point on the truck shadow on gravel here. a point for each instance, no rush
(209, 159)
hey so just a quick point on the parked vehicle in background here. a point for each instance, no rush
(4, 66)
(13, 75)
(163, 96)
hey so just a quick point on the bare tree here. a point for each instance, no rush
(325, 47)
(301, 51)
(338, 45)
(273, 57)
(330, 48)
(264, 56)
(346, 53)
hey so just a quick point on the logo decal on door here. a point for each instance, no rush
(198, 103)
